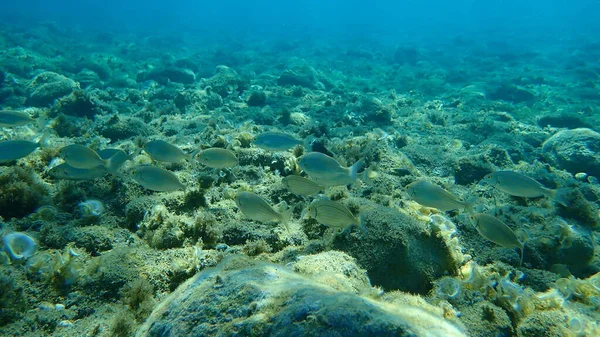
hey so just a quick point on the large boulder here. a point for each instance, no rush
(242, 297)
(46, 87)
(574, 150)
(301, 75)
(398, 252)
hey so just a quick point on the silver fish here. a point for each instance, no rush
(156, 179)
(496, 231)
(520, 185)
(13, 118)
(431, 195)
(275, 141)
(162, 151)
(300, 185)
(82, 157)
(326, 171)
(67, 172)
(218, 158)
(258, 209)
(332, 214)
(16, 149)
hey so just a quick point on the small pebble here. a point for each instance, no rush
(221, 247)
(59, 306)
(46, 306)
(65, 324)
(581, 176)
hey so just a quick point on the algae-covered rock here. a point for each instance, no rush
(250, 298)
(333, 264)
(79, 103)
(197, 100)
(13, 302)
(108, 273)
(550, 323)
(94, 239)
(20, 192)
(486, 319)
(47, 87)
(574, 150)
(87, 78)
(123, 127)
(398, 252)
(226, 81)
(257, 98)
(511, 93)
(301, 75)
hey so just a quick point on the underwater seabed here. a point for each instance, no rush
(175, 214)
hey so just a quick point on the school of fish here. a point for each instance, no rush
(321, 171)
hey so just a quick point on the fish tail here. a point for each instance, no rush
(470, 205)
(42, 121)
(522, 254)
(308, 141)
(45, 140)
(368, 174)
(135, 153)
(285, 212)
(110, 167)
(192, 156)
(286, 217)
(361, 224)
(354, 169)
(561, 195)
(194, 153)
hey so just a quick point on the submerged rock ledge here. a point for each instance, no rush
(242, 297)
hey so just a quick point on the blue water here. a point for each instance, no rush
(396, 21)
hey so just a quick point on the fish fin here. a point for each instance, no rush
(286, 215)
(42, 121)
(192, 156)
(110, 167)
(561, 195)
(354, 169)
(470, 205)
(523, 236)
(45, 140)
(135, 154)
(522, 254)
(361, 224)
(308, 141)
(368, 175)
(304, 213)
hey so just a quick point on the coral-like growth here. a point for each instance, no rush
(138, 296)
(59, 269)
(21, 193)
(12, 297)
